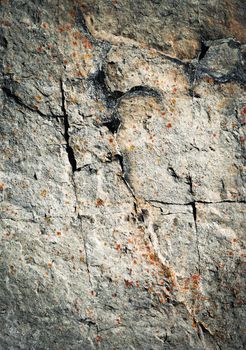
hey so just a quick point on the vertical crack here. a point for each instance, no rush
(194, 211)
(123, 175)
(190, 183)
(203, 51)
(86, 255)
(69, 150)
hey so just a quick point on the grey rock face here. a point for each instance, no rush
(122, 175)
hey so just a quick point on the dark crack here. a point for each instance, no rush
(203, 51)
(190, 183)
(86, 255)
(144, 90)
(113, 124)
(124, 178)
(99, 82)
(173, 173)
(196, 201)
(194, 212)
(81, 21)
(69, 149)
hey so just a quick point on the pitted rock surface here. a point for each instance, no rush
(122, 175)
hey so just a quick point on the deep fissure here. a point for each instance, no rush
(203, 51)
(69, 149)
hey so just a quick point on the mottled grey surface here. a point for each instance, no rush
(122, 175)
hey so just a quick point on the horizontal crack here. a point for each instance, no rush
(195, 201)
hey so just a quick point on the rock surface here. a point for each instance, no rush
(122, 175)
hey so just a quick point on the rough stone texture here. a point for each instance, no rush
(122, 175)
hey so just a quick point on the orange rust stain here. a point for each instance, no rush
(49, 265)
(209, 80)
(193, 324)
(58, 233)
(117, 246)
(43, 193)
(150, 290)
(34, 106)
(244, 111)
(169, 125)
(99, 339)
(196, 278)
(68, 27)
(1, 186)
(45, 25)
(128, 284)
(86, 56)
(99, 202)
(81, 74)
(87, 44)
(38, 98)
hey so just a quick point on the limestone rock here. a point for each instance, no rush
(122, 175)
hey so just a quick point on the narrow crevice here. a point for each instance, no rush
(145, 91)
(124, 178)
(194, 212)
(113, 124)
(206, 331)
(81, 21)
(219, 202)
(190, 183)
(196, 201)
(203, 51)
(160, 50)
(173, 173)
(193, 94)
(99, 81)
(86, 255)
(69, 150)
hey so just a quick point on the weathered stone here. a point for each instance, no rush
(173, 27)
(122, 175)
(223, 61)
